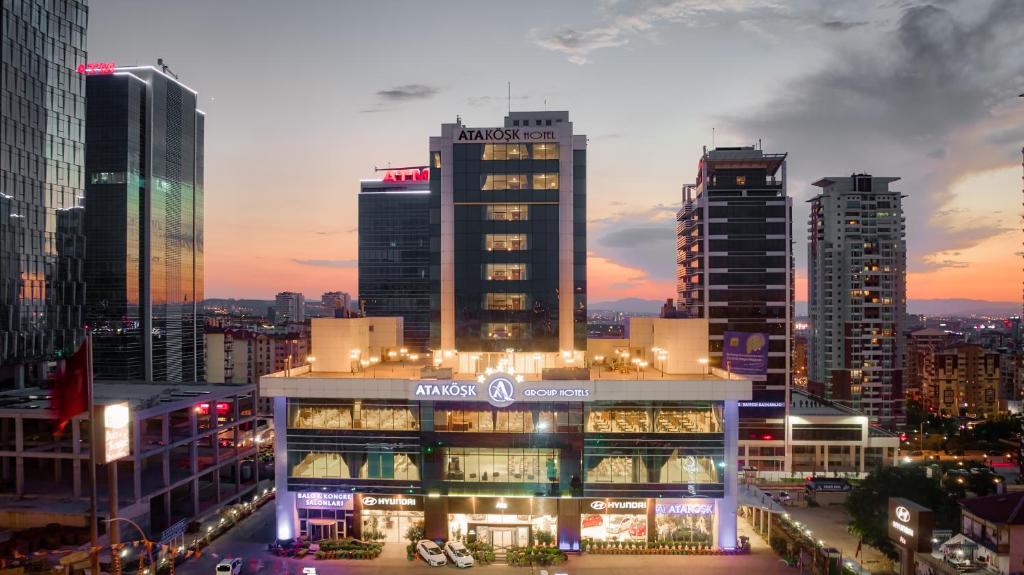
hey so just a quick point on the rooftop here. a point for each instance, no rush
(745, 157)
(1004, 509)
(140, 395)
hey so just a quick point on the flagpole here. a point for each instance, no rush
(93, 515)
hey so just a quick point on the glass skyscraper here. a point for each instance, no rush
(144, 225)
(508, 236)
(394, 251)
(42, 154)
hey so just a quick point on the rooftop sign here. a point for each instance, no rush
(498, 135)
(408, 175)
(96, 68)
(501, 390)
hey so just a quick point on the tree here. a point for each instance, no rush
(868, 503)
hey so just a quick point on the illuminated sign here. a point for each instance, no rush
(116, 434)
(96, 68)
(503, 135)
(391, 502)
(408, 175)
(684, 507)
(910, 525)
(762, 404)
(320, 500)
(501, 390)
(609, 505)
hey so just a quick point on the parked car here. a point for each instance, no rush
(785, 498)
(431, 553)
(457, 552)
(229, 567)
(592, 521)
(619, 523)
(638, 529)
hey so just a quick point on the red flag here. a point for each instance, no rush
(71, 387)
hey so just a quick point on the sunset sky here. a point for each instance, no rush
(304, 98)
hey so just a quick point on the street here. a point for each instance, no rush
(249, 541)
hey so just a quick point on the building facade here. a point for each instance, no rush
(144, 226)
(857, 285)
(919, 365)
(42, 160)
(231, 356)
(335, 303)
(734, 267)
(508, 233)
(289, 307)
(394, 250)
(192, 450)
(966, 381)
(608, 452)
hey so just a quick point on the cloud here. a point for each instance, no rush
(928, 100)
(841, 25)
(645, 238)
(408, 92)
(638, 236)
(327, 263)
(622, 22)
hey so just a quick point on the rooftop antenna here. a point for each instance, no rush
(510, 96)
(760, 146)
(712, 137)
(165, 68)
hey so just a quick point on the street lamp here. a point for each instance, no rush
(703, 361)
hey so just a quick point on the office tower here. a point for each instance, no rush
(42, 155)
(335, 303)
(144, 225)
(394, 250)
(734, 257)
(856, 271)
(508, 226)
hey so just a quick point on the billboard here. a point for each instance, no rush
(113, 437)
(745, 353)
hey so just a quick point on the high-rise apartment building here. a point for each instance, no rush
(289, 307)
(394, 251)
(856, 274)
(966, 380)
(42, 156)
(508, 234)
(335, 303)
(919, 365)
(144, 225)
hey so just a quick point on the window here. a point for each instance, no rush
(545, 181)
(504, 331)
(545, 151)
(340, 465)
(507, 212)
(107, 178)
(353, 415)
(500, 465)
(505, 272)
(494, 182)
(437, 160)
(506, 152)
(505, 301)
(741, 180)
(505, 242)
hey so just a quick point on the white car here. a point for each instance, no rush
(431, 553)
(229, 567)
(457, 552)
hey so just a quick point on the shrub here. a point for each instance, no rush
(544, 537)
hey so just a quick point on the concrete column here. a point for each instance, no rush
(863, 456)
(76, 460)
(726, 528)
(19, 461)
(19, 376)
(287, 518)
(137, 459)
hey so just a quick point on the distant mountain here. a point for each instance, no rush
(629, 305)
(954, 307)
(963, 307)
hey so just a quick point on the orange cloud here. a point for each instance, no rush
(609, 280)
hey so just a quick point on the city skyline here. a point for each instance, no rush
(924, 92)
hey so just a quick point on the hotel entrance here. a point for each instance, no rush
(502, 537)
(503, 522)
(320, 529)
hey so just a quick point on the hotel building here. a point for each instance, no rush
(371, 442)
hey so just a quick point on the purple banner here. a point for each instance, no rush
(745, 353)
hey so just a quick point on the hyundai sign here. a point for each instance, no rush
(910, 525)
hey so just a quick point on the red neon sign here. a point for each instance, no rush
(408, 175)
(96, 68)
(222, 408)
